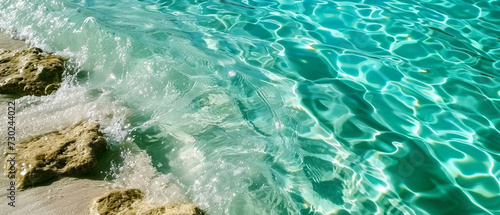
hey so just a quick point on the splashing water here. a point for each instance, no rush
(282, 107)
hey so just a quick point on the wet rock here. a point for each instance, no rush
(116, 201)
(29, 72)
(68, 152)
(131, 201)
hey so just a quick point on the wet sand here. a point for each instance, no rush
(6, 42)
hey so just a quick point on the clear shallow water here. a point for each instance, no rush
(283, 107)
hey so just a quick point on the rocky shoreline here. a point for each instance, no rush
(70, 152)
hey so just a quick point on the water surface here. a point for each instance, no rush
(283, 107)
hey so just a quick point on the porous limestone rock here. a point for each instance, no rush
(131, 201)
(29, 72)
(70, 152)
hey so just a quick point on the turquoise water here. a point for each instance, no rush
(286, 107)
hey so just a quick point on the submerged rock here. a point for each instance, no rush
(131, 201)
(68, 152)
(29, 72)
